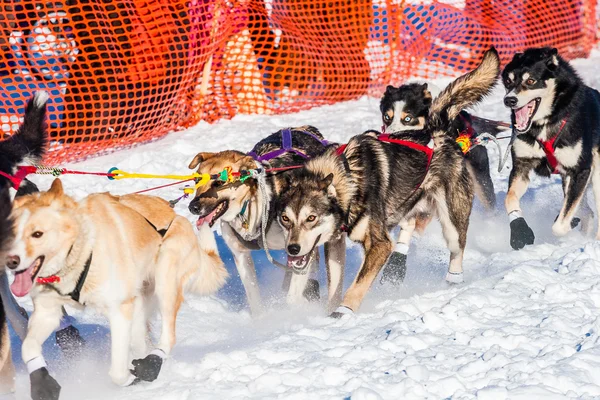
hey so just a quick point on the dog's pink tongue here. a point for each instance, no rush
(22, 284)
(522, 115)
(206, 218)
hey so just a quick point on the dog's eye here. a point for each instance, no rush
(311, 218)
(284, 218)
(530, 81)
(386, 118)
(37, 234)
(507, 81)
(408, 118)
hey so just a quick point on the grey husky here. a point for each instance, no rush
(240, 208)
(371, 185)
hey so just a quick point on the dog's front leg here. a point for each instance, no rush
(395, 266)
(574, 187)
(378, 246)
(245, 266)
(303, 287)
(120, 319)
(520, 233)
(44, 320)
(335, 260)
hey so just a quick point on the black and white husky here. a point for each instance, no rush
(556, 120)
(405, 109)
(27, 144)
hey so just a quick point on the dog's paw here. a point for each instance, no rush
(520, 234)
(455, 277)
(70, 341)
(340, 312)
(394, 269)
(43, 386)
(147, 369)
(311, 291)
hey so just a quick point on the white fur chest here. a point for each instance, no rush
(523, 149)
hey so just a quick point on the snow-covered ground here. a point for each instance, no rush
(524, 325)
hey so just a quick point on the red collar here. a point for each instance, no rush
(45, 280)
(548, 147)
(19, 176)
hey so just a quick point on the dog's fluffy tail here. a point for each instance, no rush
(464, 92)
(212, 274)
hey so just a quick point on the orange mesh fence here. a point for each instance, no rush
(129, 71)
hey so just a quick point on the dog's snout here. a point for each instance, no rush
(13, 262)
(194, 207)
(293, 249)
(510, 101)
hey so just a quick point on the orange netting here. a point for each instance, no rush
(128, 71)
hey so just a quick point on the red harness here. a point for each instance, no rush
(406, 143)
(548, 147)
(19, 176)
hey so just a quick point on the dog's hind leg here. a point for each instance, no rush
(335, 259)
(575, 187)
(478, 165)
(454, 217)
(378, 246)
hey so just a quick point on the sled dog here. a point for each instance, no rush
(240, 208)
(556, 120)
(112, 253)
(374, 183)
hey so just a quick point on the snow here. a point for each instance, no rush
(524, 325)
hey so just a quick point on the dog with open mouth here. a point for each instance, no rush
(240, 208)
(115, 254)
(405, 109)
(373, 184)
(556, 130)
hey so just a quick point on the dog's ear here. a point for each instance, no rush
(57, 188)
(243, 161)
(199, 158)
(325, 182)
(389, 89)
(426, 94)
(552, 59)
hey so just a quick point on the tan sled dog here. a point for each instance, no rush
(111, 253)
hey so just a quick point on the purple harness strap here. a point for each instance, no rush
(286, 146)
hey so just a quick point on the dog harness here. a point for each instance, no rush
(286, 146)
(386, 139)
(549, 147)
(76, 292)
(19, 176)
